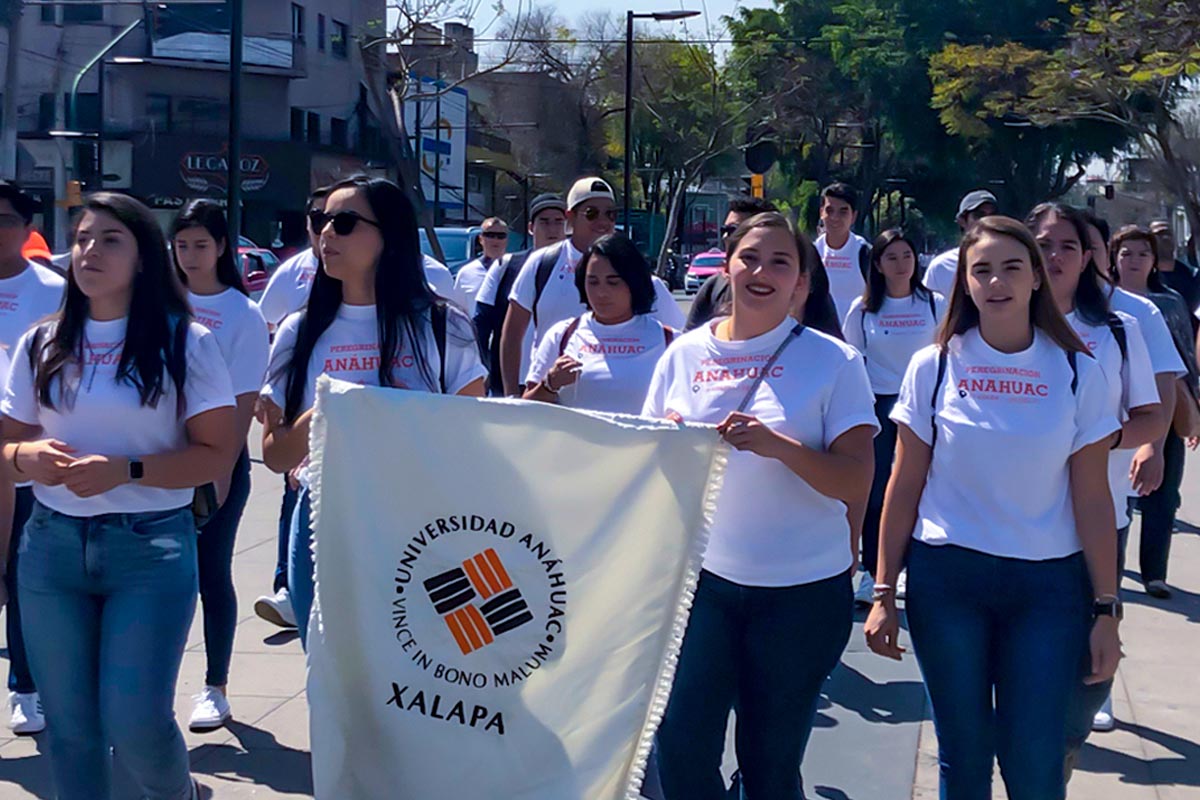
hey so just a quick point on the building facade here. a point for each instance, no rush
(151, 115)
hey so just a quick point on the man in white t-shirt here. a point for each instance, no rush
(287, 291)
(547, 294)
(845, 254)
(939, 275)
(493, 239)
(28, 292)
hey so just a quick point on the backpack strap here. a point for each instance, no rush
(1118, 331)
(1073, 360)
(932, 307)
(545, 267)
(438, 314)
(668, 335)
(567, 334)
(943, 361)
(864, 261)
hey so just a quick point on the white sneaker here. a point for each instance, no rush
(26, 714)
(276, 609)
(210, 712)
(864, 594)
(902, 585)
(1104, 720)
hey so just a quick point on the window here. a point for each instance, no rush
(200, 115)
(340, 41)
(314, 127)
(82, 11)
(298, 23)
(339, 133)
(46, 112)
(49, 15)
(158, 112)
(321, 32)
(298, 125)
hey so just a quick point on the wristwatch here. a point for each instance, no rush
(1109, 607)
(136, 470)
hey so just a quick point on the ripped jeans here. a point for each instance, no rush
(106, 603)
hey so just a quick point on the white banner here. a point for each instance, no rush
(502, 589)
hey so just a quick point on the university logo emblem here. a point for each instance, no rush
(478, 601)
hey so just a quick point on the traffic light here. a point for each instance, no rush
(757, 189)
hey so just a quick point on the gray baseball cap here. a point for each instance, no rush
(546, 201)
(974, 200)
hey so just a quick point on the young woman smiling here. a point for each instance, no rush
(116, 409)
(773, 606)
(999, 500)
(369, 296)
(603, 360)
(895, 317)
(205, 264)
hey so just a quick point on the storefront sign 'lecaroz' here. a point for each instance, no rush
(205, 172)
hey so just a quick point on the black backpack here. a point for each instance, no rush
(545, 268)
(437, 317)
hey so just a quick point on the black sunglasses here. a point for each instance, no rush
(591, 214)
(344, 222)
(317, 219)
(727, 230)
(494, 234)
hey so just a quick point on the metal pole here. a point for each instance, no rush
(625, 199)
(437, 164)
(100, 127)
(525, 185)
(12, 68)
(72, 115)
(234, 150)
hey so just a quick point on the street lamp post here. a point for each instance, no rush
(658, 16)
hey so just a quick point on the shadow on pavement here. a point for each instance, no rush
(31, 773)
(258, 759)
(282, 637)
(1181, 770)
(890, 702)
(1182, 602)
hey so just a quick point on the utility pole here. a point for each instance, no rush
(8, 139)
(234, 151)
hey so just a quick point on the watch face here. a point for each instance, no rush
(135, 470)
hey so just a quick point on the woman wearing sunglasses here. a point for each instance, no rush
(371, 319)
(204, 261)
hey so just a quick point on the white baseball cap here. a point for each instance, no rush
(588, 189)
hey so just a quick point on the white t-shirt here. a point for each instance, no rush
(1164, 358)
(241, 333)
(101, 416)
(889, 337)
(770, 527)
(26, 299)
(618, 361)
(666, 309)
(470, 278)
(287, 290)
(940, 274)
(349, 350)
(560, 296)
(1008, 425)
(1130, 384)
(842, 265)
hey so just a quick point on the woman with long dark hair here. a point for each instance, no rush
(603, 359)
(773, 605)
(116, 409)
(371, 319)
(895, 317)
(204, 260)
(999, 502)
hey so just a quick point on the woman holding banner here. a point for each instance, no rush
(371, 319)
(603, 360)
(773, 605)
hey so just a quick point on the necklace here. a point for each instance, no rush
(96, 361)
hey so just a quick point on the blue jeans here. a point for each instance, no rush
(300, 565)
(20, 679)
(106, 605)
(766, 653)
(1003, 645)
(287, 509)
(214, 551)
(1158, 512)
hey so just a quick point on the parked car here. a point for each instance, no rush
(258, 264)
(703, 266)
(459, 245)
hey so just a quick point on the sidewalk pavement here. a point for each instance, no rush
(872, 740)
